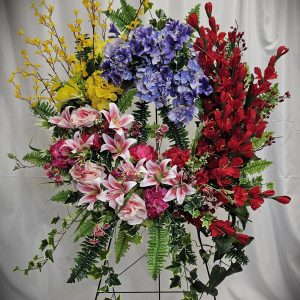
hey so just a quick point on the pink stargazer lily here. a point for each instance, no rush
(114, 119)
(157, 173)
(179, 188)
(131, 172)
(119, 146)
(93, 193)
(77, 144)
(64, 120)
(116, 190)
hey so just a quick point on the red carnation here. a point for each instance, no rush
(178, 156)
(240, 195)
(256, 202)
(141, 151)
(208, 8)
(219, 228)
(193, 20)
(282, 199)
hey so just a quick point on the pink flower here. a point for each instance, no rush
(119, 146)
(87, 172)
(93, 193)
(116, 190)
(140, 151)
(85, 116)
(114, 119)
(61, 155)
(78, 144)
(154, 201)
(134, 211)
(64, 120)
(157, 173)
(131, 172)
(179, 189)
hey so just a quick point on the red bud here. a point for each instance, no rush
(193, 20)
(282, 50)
(268, 193)
(244, 239)
(212, 23)
(282, 199)
(208, 8)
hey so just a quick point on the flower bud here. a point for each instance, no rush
(193, 20)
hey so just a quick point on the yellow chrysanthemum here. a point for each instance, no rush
(100, 92)
(68, 92)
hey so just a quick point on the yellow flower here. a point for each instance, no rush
(100, 92)
(68, 92)
(80, 68)
(133, 24)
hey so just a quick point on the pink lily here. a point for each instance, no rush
(179, 188)
(118, 146)
(64, 120)
(131, 172)
(116, 190)
(157, 173)
(114, 119)
(77, 144)
(93, 193)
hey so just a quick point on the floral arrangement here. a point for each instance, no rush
(118, 174)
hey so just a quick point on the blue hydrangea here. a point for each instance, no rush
(116, 64)
(182, 114)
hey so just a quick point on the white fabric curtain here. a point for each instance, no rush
(274, 270)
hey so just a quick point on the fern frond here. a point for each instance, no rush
(37, 158)
(158, 249)
(178, 136)
(44, 110)
(256, 166)
(126, 99)
(122, 244)
(238, 256)
(141, 115)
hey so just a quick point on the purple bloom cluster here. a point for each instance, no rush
(148, 58)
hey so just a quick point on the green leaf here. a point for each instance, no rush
(234, 268)
(175, 282)
(158, 249)
(44, 110)
(44, 244)
(270, 185)
(122, 244)
(65, 197)
(217, 275)
(55, 220)
(126, 100)
(223, 245)
(259, 143)
(11, 155)
(37, 158)
(256, 166)
(49, 254)
(113, 280)
(84, 230)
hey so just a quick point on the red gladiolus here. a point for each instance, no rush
(193, 20)
(282, 50)
(282, 199)
(244, 239)
(240, 195)
(268, 193)
(208, 8)
(219, 228)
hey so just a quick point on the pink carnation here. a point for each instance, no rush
(61, 155)
(87, 172)
(154, 201)
(134, 211)
(141, 151)
(84, 116)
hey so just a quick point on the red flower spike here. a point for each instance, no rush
(193, 20)
(219, 228)
(282, 199)
(208, 8)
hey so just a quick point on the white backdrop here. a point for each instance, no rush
(274, 271)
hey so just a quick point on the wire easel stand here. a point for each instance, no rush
(158, 292)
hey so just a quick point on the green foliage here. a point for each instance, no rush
(238, 256)
(161, 20)
(256, 166)
(178, 136)
(44, 110)
(122, 244)
(65, 197)
(123, 16)
(88, 256)
(37, 158)
(141, 115)
(126, 99)
(158, 248)
(84, 229)
(259, 143)
(271, 98)
(223, 245)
